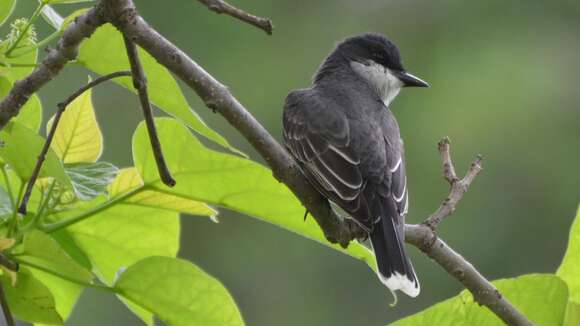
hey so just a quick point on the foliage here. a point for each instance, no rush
(91, 224)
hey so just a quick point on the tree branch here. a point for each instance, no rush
(222, 7)
(140, 84)
(60, 110)
(66, 50)
(217, 97)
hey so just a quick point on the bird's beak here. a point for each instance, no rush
(410, 80)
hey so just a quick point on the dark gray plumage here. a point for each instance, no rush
(347, 140)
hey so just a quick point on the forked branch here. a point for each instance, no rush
(458, 186)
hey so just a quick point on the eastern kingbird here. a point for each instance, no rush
(343, 134)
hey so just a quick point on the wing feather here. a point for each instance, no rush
(319, 139)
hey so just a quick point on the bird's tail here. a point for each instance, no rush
(393, 266)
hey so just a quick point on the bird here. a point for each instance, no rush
(345, 138)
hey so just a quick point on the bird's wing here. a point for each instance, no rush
(319, 139)
(398, 182)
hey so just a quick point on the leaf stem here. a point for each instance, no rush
(32, 19)
(61, 107)
(65, 277)
(86, 214)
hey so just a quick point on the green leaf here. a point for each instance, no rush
(104, 53)
(6, 8)
(572, 314)
(31, 113)
(128, 179)
(178, 292)
(90, 179)
(78, 137)
(30, 300)
(68, 244)
(40, 249)
(21, 149)
(226, 180)
(540, 297)
(569, 269)
(121, 235)
(65, 293)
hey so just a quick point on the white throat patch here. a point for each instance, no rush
(380, 78)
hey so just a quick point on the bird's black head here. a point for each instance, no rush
(371, 49)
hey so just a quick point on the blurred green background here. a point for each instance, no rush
(504, 79)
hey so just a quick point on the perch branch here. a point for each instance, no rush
(60, 110)
(66, 50)
(458, 186)
(217, 97)
(5, 308)
(222, 7)
(140, 84)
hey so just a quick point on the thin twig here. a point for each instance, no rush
(140, 84)
(458, 186)
(222, 7)
(5, 308)
(60, 110)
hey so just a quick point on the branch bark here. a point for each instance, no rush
(216, 96)
(222, 7)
